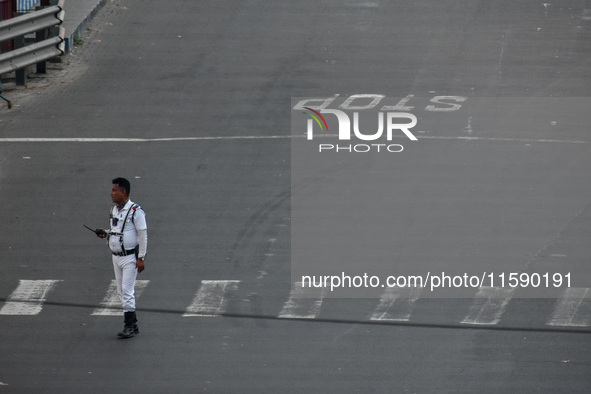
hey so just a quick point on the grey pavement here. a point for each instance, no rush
(194, 107)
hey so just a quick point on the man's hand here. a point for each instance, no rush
(139, 264)
(102, 233)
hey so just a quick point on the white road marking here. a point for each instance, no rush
(248, 137)
(489, 305)
(396, 303)
(254, 137)
(111, 305)
(28, 297)
(303, 303)
(211, 299)
(566, 310)
(501, 56)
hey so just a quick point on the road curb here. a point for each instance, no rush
(69, 39)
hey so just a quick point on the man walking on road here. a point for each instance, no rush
(128, 241)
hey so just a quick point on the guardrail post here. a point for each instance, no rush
(41, 66)
(20, 75)
(40, 36)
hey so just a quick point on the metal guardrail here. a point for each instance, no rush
(31, 23)
(34, 53)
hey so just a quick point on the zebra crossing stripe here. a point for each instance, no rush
(566, 310)
(572, 309)
(28, 297)
(211, 298)
(489, 305)
(111, 305)
(303, 303)
(396, 303)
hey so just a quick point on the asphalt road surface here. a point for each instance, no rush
(192, 101)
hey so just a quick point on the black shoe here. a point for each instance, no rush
(136, 330)
(128, 329)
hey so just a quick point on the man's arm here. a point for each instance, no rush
(143, 247)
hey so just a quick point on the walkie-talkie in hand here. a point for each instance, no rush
(97, 231)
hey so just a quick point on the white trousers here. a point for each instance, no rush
(125, 275)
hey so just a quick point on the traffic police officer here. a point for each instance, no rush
(128, 241)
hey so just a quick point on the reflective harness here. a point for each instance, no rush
(124, 252)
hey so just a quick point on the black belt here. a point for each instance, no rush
(126, 253)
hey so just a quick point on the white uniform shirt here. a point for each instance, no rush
(135, 222)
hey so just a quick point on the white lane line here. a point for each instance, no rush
(396, 303)
(111, 305)
(211, 298)
(566, 310)
(303, 303)
(489, 305)
(465, 138)
(255, 137)
(28, 297)
(244, 137)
